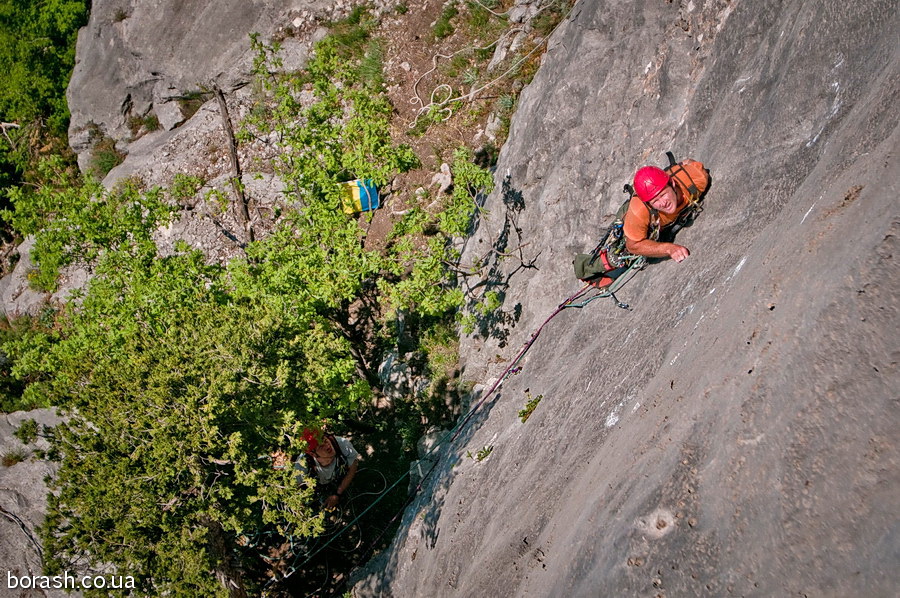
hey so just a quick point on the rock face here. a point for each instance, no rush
(137, 58)
(23, 501)
(735, 433)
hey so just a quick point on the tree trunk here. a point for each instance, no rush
(226, 572)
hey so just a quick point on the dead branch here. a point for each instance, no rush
(4, 127)
(241, 198)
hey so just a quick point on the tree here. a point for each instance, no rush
(37, 49)
(181, 377)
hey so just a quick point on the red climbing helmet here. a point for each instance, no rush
(313, 438)
(649, 181)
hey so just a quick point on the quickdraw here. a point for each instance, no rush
(636, 263)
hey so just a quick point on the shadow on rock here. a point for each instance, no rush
(486, 297)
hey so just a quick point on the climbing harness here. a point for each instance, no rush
(610, 260)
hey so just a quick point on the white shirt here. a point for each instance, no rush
(326, 473)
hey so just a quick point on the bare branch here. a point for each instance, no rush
(243, 213)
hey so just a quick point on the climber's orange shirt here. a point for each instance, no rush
(637, 219)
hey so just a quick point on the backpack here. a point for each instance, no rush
(610, 258)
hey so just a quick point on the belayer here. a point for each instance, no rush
(660, 203)
(332, 461)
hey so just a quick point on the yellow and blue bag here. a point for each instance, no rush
(359, 196)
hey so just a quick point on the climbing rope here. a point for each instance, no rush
(453, 434)
(444, 106)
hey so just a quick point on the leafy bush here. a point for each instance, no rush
(180, 377)
(27, 432)
(74, 221)
(185, 186)
(37, 50)
(177, 375)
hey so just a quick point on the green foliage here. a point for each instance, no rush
(357, 14)
(185, 186)
(457, 64)
(530, 406)
(142, 124)
(506, 102)
(469, 180)
(105, 156)
(344, 135)
(27, 432)
(177, 375)
(484, 54)
(351, 34)
(75, 221)
(481, 454)
(492, 301)
(550, 16)
(427, 286)
(217, 198)
(436, 114)
(467, 323)
(371, 67)
(470, 76)
(37, 50)
(401, 8)
(478, 16)
(440, 344)
(443, 27)
(11, 388)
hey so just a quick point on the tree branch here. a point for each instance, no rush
(243, 213)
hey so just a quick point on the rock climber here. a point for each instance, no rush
(334, 462)
(655, 212)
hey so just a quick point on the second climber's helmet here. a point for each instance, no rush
(649, 181)
(313, 438)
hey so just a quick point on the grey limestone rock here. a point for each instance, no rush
(735, 432)
(23, 500)
(17, 297)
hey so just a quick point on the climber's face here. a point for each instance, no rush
(666, 201)
(325, 451)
